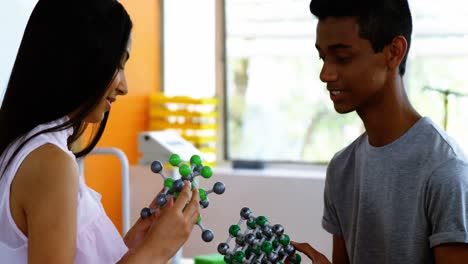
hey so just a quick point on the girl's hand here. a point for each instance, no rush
(137, 233)
(160, 236)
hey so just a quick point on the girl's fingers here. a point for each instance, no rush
(192, 209)
(184, 197)
(153, 204)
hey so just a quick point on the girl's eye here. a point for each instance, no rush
(122, 62)
(121, 65)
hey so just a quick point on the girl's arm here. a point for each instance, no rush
(44, 203)
(44, 197)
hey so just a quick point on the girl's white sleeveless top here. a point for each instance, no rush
(98, 241)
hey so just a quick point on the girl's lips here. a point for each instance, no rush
(109, 101)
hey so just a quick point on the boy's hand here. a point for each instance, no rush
(311, 253)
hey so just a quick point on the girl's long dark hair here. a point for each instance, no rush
(69, 54)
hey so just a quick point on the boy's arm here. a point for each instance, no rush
(453, 253)
(447, 197)
(340, 256)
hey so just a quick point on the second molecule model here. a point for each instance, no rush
(172, 186)
(259, 243)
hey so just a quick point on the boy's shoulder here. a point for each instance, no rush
(350, 149)
(435, 141)
(425, 141)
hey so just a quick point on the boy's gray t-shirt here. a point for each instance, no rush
(392, 204)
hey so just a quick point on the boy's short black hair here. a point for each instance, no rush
(379, 20)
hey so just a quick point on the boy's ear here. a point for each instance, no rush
(396, 51)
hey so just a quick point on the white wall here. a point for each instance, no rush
(13, 18)
(291, 198)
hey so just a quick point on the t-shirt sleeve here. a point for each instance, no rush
(447, 203)
(330, 218)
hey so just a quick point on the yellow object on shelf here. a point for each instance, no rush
(195, 119)
(162, 98)
(159, 124)
(181, 113)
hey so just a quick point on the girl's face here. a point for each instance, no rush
(118, 86)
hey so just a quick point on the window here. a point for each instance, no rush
(188, 48)
(278, 110)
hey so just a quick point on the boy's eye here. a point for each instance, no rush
(342, 59)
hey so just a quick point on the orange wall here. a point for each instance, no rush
(129, 115)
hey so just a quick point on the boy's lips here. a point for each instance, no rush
(336, 94)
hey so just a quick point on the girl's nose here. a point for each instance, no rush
(122, 88)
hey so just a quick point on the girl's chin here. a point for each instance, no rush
(94, 118)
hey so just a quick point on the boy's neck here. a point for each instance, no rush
(390, 118)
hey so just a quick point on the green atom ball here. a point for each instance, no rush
(267, 247)
(261, 220)
(239, 256)
(275, 242)
(196, 160)
(206, 172)
(202, 193)
(174, 160)
(168, 182)
(296, 259)
(185, 170)
(284, 240)
(234, 230)
(252, 250)
(251, 224)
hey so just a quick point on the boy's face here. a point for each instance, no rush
(354, 74)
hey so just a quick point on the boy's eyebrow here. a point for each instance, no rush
(335, 46)
(128, 55)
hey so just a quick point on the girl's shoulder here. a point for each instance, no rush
(46, 173)
(49, 165)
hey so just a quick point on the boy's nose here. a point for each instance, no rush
(328, 73)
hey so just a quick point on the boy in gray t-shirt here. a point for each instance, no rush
(392, 204)
(399, 192)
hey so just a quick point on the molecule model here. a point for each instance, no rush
(172, 187)
(259, 243)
